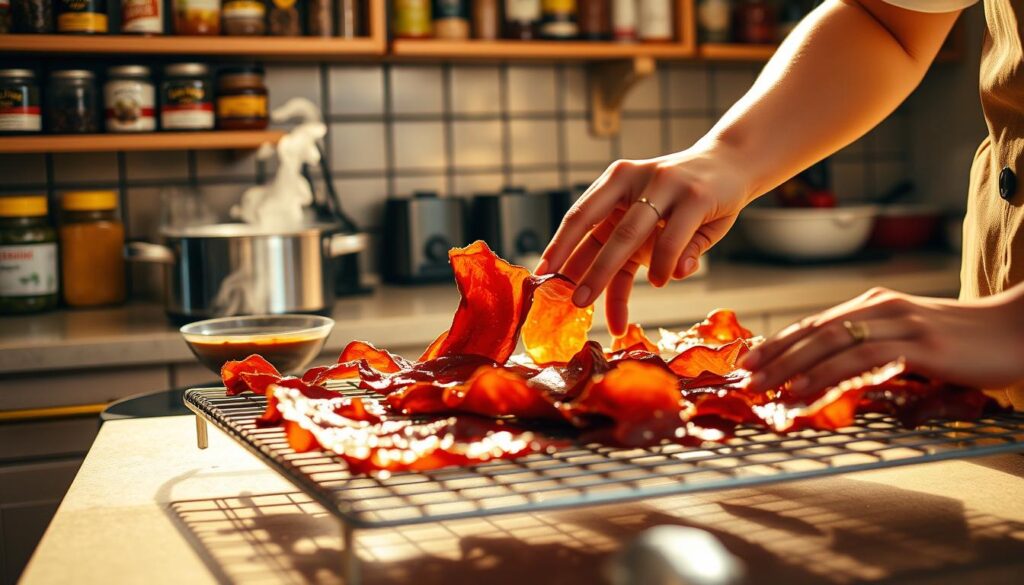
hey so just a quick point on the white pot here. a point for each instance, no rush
(808, 233)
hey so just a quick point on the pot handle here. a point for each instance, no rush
(345, 244)
(147, 252)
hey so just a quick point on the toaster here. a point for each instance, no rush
(418, 232)
(517, 225)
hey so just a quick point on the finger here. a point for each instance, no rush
(821, 345)
(678, 231)
(616, 300)
(850, 363)
(581, 259)
(703, 238)
(630, 233)
(593, 206)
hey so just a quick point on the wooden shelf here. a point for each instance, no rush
(470, 50)
(212, 140)
(735, 52)
(265, 48)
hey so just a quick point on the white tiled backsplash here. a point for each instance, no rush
(454, 129)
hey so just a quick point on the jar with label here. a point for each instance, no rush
(624, 20)
(92, 249)
(486, 19)
(522, 19)
(655, 20)
(130, 99)
(451, 19)
(82, 16)
(142, 17)
(28, 256)
(19, 102)
(595, 19)
(284, 18)
(244, 17)
(197, 17)
(558, 20)
(5, 16)
(72, 102)
(348, 18)
(242, 99)
(714, 19)
(320, 18)
(32, 16)
(186, 102)
(412, 20)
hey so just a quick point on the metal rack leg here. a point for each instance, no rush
(350, 562)
(202, 438)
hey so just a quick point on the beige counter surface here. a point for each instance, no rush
(148, 507)
(398, 317)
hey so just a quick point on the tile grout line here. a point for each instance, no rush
(447, 126)
(506, 124)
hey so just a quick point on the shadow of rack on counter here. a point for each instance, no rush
(614, 67)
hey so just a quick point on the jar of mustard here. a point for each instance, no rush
(28, 256)
(92, 244)
(242, 99)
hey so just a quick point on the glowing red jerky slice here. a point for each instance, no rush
(231, 373)
(721, 326)
(634, 338)
(378, 359)
(698, 359)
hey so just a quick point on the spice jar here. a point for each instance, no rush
(72, 103)
(522, 19)
(5, 16)
(624, 20)
(19, 102)
(244, 17)
(130, 99)
(82, 16)
(348, 18)
(92, 245)
(186, 101)
(320, 18)
(755, 22)
(197, 17)
(451, 19)
(242, 99)
(595, 20)
(558, 19)
(142, 16)
(655, 22)
(713, 18)
(284, 18)
(486, 20)
(32, 16)
(411, 19)
(28, 256)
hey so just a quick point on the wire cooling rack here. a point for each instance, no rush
(594, 474)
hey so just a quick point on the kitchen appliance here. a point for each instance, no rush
(808, 233)
(514, 223)
(289, 342)
(585, 475)
(237, 269)
(418, 232)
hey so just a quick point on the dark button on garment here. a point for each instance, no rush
(1007, 183)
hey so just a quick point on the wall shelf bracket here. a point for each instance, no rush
(609, 83)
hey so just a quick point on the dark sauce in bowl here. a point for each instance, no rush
(287, 351)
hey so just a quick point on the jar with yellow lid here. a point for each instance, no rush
(28, 256)
(92, 249)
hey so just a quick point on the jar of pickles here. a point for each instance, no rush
(19, 102)
(92, 244)
(28, 256)
(186, 100)
(73, 106)
(197, 17)
(242, 99)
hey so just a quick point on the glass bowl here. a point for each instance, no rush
(290, 342)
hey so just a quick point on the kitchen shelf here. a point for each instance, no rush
(213, 140)
(748, 53)
(272, 48)
(483, 50)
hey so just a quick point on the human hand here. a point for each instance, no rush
(977, 343)
(662, 213)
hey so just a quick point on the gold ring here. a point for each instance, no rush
(652, 205)
(858, 331)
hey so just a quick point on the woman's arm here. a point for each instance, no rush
(846, 67)
(974, 343)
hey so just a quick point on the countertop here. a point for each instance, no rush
(398, 317)
(149, 507)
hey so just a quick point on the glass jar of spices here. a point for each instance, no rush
(595, 20)
(522, 19)
(283, 18)
(320, 18)
(5, 16)
(558, 20)
(242, 99)
(72, 103)
(28, 256)
(411, 19)
(82, 16)
(142, 17)
(197, 17)
(244, 17)
(19, 102)
(186, 100)
(655, 20)
(32, 16)
(451, 19)
(92, 249)
(130, 99)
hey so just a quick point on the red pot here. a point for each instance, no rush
(905, 227)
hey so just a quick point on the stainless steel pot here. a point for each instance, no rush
(236, 269)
